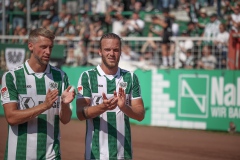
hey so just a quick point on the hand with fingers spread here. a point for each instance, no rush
(110, 104)
(51, 97)
(68, 95)
(121, 98)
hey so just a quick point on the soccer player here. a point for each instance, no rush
(107, 97)
(35, 96)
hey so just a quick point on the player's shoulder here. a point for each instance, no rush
(125, 72)
(12, 71)
(57, 69)
(89, 71)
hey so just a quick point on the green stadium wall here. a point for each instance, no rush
(189, 99)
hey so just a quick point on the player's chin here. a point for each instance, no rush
(112, 64)
(45, 62)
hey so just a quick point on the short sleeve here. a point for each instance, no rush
(83, 86)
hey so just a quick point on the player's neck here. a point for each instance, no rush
(109, 71)
(37, 67)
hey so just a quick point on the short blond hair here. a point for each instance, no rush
(34, 34)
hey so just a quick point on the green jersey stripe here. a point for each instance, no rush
(112, 134)
(20, 81)
(136, 87)
(127, 78)
(86, 85)
(57, 78)
(42, 136)
(95, 154)
(65, 81)
(127, 142)
(22, 141)
(56, 143)
(40, 85)
(93, 81)
(111, 85)
(11, 87)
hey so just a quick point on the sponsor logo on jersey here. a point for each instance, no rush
(80, 89)
(123, 85)
(4, 92)
(56, 104)
(53, 85)
(97, 100)
(27, 102)
(100, 85)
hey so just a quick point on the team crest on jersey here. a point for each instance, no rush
(53, 85)
(80, 89)
(4, 92)
(123, 85)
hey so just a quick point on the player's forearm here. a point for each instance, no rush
(16, 117)
(136, 112)
(65, 113)
(88, 112)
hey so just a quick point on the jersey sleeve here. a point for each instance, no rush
(65, 81)
(136, 90)
(83, 87)
(8, 90)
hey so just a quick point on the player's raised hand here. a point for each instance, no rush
(110, 103)
(68, 95)
(121, 98)
(51, 97)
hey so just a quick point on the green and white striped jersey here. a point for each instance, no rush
(38, 138)
(108, 136)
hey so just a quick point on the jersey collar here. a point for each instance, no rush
(102, 73)
(30, 71)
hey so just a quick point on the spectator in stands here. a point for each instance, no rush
(117, 6)
(134, 26)
(72, 6)
(18, 6)
(183, 47)
(227, 12)
(97, 27)
(208, 61)
(235, 19)
(188, 61)
(193, 10)
(162, 4)
(175, 26)
(166, 23)
(138, 8)
(203, 20)
(182, 4)
(211, 30)
(192, 29)
(102, 6)
(221, 42)
(85, 26)
(155, 28)
(71, 60)
(46, 22)
(128, 54)
(117, 21)
(227, 8)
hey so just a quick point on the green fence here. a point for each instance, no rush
(192, 99)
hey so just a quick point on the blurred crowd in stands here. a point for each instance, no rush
(134, 18)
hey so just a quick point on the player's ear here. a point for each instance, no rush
(99, 52)
(30, 46)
